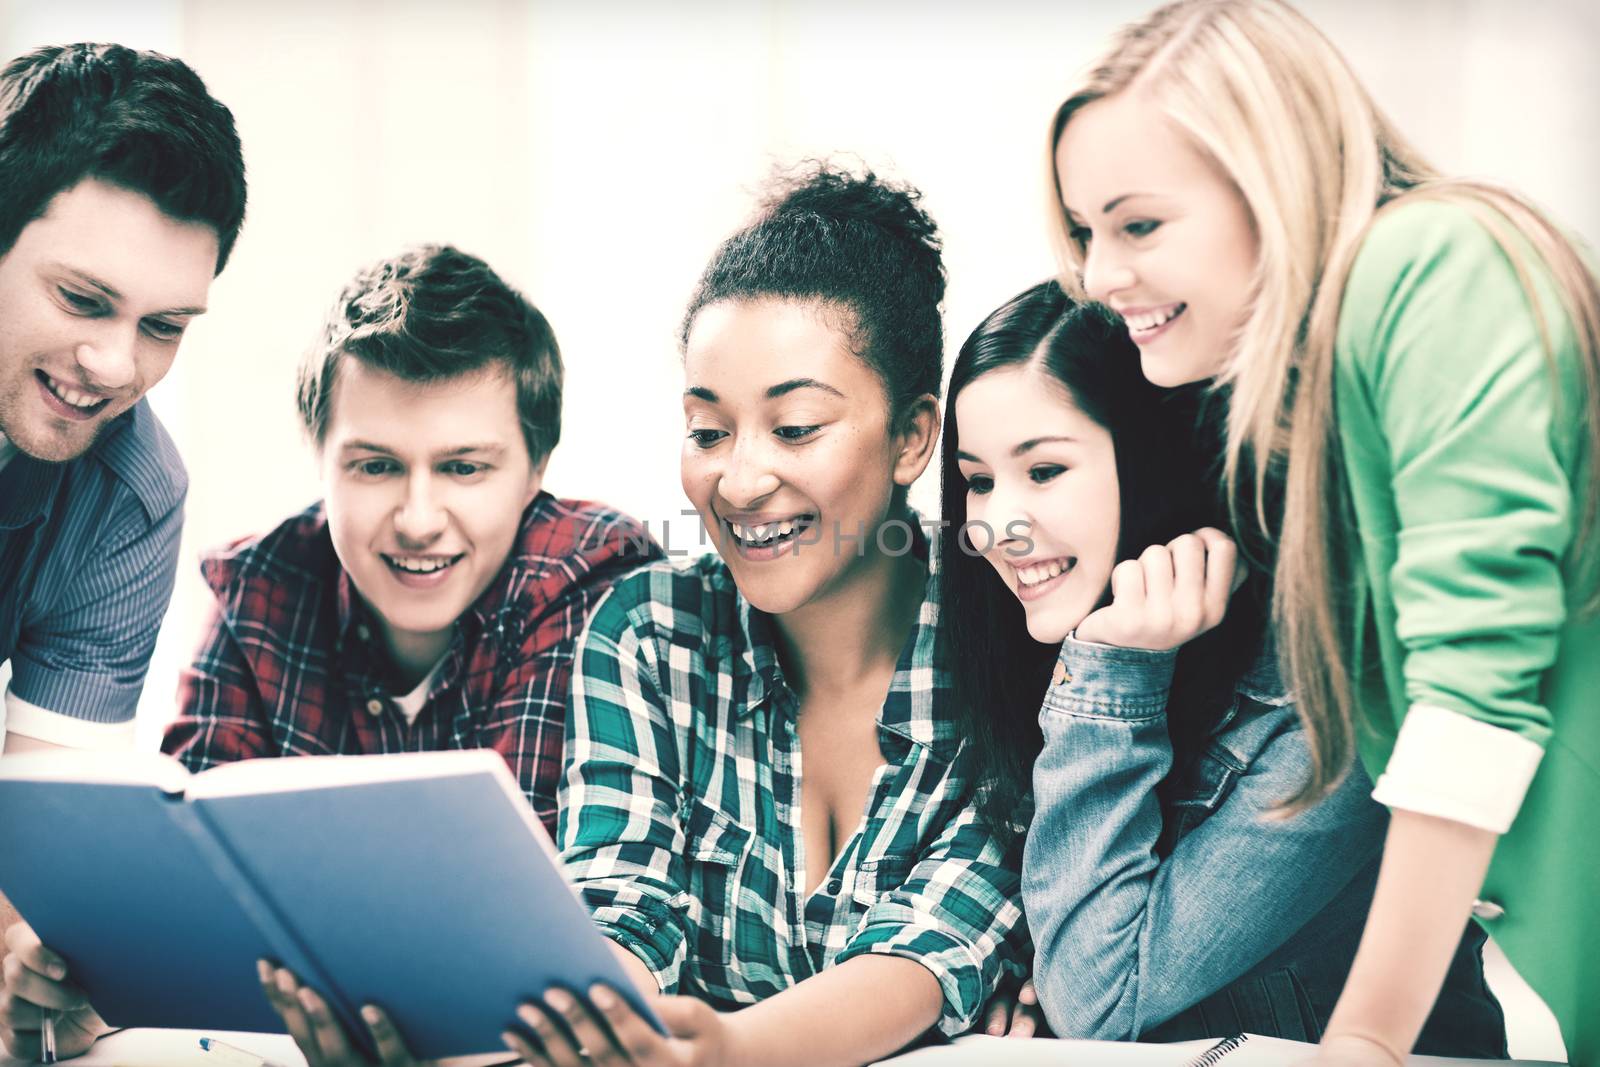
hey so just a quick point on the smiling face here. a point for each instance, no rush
(425, 486)
(1167, 239)
(1042, 475)
(789, 457)
(94, 297)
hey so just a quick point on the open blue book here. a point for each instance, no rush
(420, 882)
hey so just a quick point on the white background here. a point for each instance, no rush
(595, 154)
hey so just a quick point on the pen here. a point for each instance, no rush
(231, 1054)
(47, 1036)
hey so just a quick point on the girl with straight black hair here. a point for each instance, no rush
(1084, 572)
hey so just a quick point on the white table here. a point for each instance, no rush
(177, 1048)
(181, 1048)
(979, 1051)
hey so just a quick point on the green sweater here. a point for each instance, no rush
(1464, 453)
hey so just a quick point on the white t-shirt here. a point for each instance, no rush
(410, 704)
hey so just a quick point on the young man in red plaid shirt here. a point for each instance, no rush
(433, 599)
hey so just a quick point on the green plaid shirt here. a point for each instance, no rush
(680, 808)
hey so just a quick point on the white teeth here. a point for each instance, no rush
(420, 566)
(71, 396)
(1151, 319)
(1040, 573)
(765, 532)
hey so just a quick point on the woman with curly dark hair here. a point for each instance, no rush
(765, 805)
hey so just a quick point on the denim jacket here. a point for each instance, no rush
(1167, 903)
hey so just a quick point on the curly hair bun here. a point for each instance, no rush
(853, 240)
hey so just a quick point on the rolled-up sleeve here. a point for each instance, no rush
(619, 833)
(958, 913)
(1476, 398)
(86, 659)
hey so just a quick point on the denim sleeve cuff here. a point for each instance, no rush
(27, 719)
(655, 940)
(1107, 681)
(1455, 767)
(959, 970)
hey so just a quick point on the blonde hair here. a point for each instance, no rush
(1274, 104)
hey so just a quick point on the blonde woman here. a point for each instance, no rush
(1413, 370)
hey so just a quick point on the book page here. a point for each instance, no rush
(101, 768)
(276, 774)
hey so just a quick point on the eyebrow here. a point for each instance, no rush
(1032, 443)
(700, 392)
(785, 388)
(1024, 448)
(111, 294)
(1111, 204)
(370, 446)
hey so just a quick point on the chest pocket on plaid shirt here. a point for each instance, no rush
(716, 851)
(877, 877)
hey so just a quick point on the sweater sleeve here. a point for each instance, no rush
(1476, 418)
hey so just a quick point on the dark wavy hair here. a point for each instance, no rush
(855, 242)
(434, 312)
(1168, 483)
(135, 119)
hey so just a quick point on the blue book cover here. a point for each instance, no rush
(419, 882)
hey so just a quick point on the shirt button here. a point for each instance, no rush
(1487, 910)
(365, 633)
(835, 885)
(1062, 676)
(375, 706)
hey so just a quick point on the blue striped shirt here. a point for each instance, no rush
(88, 554)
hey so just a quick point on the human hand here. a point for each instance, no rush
(34, 981)
(1015, 1013)
(1170, 595)
(606, 1032)
(322, 1041)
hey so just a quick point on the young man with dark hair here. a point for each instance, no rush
(122, 191)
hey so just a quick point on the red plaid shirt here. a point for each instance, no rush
(292, 663)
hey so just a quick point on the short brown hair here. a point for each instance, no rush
(434, 312)
(136, 119)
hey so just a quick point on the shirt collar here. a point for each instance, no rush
(28, 486)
